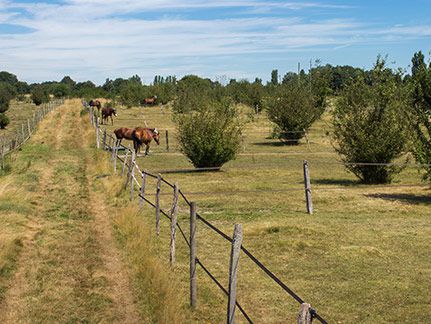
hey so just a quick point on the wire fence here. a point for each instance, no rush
(128, 160)
(23, 134)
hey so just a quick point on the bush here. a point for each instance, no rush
(370, 126)
(4, 121)
(39, 95)
(421, 111)
(7, 93)
(211, 136)
(293, 108)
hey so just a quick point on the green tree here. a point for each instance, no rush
(131, 94)
(274, 77)
(4, 121)
(421, 111)
(39, 95)
(7, 93)
(293, 108)
(370, 125)
(192, 92)
(210, 136)
(61, 90)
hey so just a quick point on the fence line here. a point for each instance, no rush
(23, 133)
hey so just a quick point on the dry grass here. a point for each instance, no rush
(363, 251)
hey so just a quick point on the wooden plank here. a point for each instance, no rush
(304, 316)
(132, 174)
(159, 183)
(97, 133)
(233, 272)
(104, 139)
(307, 184)
(174, 215)
(193, 282)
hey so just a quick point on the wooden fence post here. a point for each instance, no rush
(97, 133)
(28, 126)
(142, 191)
(23, 133)
(167, 140)
(159, 183)
(174, 215)
(233, 270)
(125, 161)
(193, 286)
(104, 139)
(304, 316)
(2, 154)
(132, 174)
(115, 152)
(307, 184)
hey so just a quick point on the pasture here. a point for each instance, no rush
(18, 114)
(362, 257)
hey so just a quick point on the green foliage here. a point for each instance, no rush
(370, 125)
(211, 135)
(192, 94)
(421, 111)
(61, 90)
(39, 95)
(7, 93)
(293, 108)
(274, 77)
(131, 94)
(247, 93)
(4, 121)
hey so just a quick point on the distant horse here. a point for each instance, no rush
(95, 103)
(144, 136)
(123, 133)
(150, 101)
(108, 112)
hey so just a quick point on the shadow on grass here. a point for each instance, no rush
(409, 198)
(277, 144)
(338, 182)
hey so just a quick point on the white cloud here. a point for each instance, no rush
(88, 40)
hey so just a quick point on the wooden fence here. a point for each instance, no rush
(136, 177)
(26, 130)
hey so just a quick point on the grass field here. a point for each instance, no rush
(74, 249)
(362, 257)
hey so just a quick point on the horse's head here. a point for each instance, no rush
(114, 111)
(156, 136)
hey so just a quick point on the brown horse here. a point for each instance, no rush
(108, 112)
(123, 133)
(150, 101)
(144, 136)
(95, 103)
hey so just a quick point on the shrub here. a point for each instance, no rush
(370, 126)
(4, 121)
(7, 93)
(39, 95)
(210, 136)
(293, 108)
(421, 111)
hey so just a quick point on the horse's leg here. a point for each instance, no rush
(147, 148)
(112, 120)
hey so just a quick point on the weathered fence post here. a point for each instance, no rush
(233, 270)
(2, 154)
(167, 140)
(104, 139)
(23, 133)
(142, 191)
(115, 152)
(159, 183)
(132, 174)
(174, 215)
(307, 184)
(304, 316)
(193, 286)
(29, 128)
(125, 161)
(97, 133)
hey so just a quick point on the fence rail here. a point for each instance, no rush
(110, 144)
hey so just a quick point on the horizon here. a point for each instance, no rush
(95, 40)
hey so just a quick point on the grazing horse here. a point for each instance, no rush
(144, 136)
(95, 103)
(108, 112)
(123, 133)
(150, 101)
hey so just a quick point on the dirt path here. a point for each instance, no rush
(69, 269)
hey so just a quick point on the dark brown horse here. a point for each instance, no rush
(108, 112)
(150, 101)
(95, 103)
(123, 133)
(144, 136)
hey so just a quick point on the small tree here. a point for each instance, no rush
(370, 126)
(39, 95)
(191, 92)
(4, 121)
(211, 136)
(293, 108)
(421, 111)
(7, 93)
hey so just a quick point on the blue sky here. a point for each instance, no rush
(96, 39)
